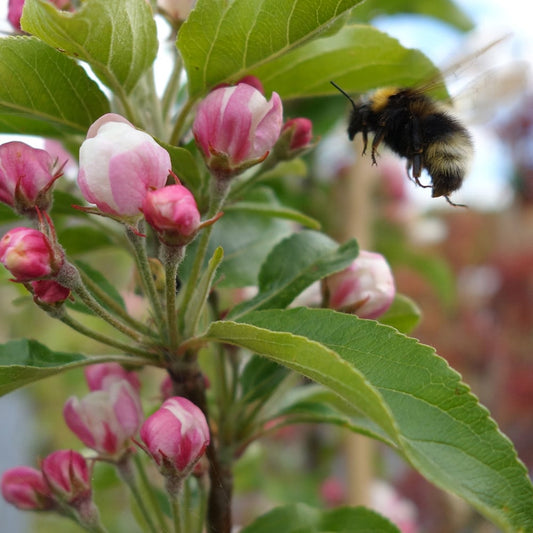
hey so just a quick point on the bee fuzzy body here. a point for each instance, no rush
(418, 128)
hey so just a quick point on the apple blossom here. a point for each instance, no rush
(25, 488)
(26, 177)
(102, 375)
(28, 254)
(106, 420)
(119, 164)
(173, 213)
(236, 127)
(176, 436)
(366, 288)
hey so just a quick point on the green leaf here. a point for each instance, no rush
(406, 389)
(260, 377)
(102, 282)
(25, 361)
(246, 239)
(184, 166)
(222, 41)
(315, 404)
(82, 239)
(118, 39)
(43, 92)
(301, 518)
(312, 256)
(403, 314)
(64, 202)
(276, 211)
(444, 10)
(358, 58)
(201, 292)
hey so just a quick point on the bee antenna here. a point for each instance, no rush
(345, 93)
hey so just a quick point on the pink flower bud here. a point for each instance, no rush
(119, 164)
(299, 132)
(49, 292)
(106, 420)
(236, 127)
(25, 488)
(366, 288)
(173, 213)
(67, 475)
(28, 254)
(102, 375)
(26, 177)
(176, 436)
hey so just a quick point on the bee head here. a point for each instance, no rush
(358, 115)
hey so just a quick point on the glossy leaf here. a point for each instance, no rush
(222, 41)
(118, 39)
(43, 92)
(405, 388)
(358, 58)
(25, 361)
(312, 256)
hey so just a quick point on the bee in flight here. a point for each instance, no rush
(416, 127)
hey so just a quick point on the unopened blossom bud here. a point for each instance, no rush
(366, 288)
(102, 375)
(28, 254)
(236, 127)
(176, 436)
(25, 488)
(68, 476)
(119, 164)
(106, 420)
(299, 132)
(173, 213)
(26, 177)
(49, 292)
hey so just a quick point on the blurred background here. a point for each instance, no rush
(470, 271)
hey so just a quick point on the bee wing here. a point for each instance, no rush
(482, 97)
(456, 69)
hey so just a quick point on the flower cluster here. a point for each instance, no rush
(107, 420)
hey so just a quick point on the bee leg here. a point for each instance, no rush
(447, 198)
(365, 139)
(413, 177)
(379, 134)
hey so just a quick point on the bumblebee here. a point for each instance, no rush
(419, 128)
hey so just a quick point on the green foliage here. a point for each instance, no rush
(412, 394)
(444, 10)
(358, 58)
(224, 41)
(300, 518)
(313, 256)
(24, 361)
(117, 39)
(43, 92)
(370, 377)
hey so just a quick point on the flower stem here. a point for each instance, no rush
(126, 474)
(219, 192)
(177, 514)
(115, 306)
(70, 277)
(171, 257)
(104, 339)
(151, 494)
(180, 121)
(147, 278)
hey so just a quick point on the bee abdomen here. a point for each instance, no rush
(447, 161)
